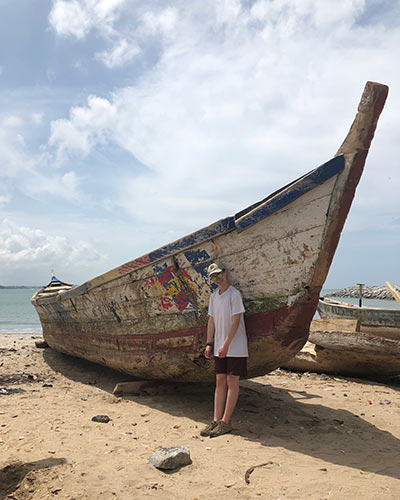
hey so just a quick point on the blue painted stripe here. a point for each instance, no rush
(278, 200)
(289, 194)
(220, 227)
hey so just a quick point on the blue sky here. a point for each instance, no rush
(125, 124)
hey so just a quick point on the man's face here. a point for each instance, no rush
(218, 278)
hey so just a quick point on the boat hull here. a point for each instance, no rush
(374, 320)
(274, 337)
(148, 317)
(151, 321)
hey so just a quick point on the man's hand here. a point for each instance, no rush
(208, 352)
(223, 351)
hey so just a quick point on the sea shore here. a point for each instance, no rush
(298, 436)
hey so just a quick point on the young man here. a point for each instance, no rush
(227, 341)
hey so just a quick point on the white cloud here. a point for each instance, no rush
(4, 197)
(248, 97)
(77, 18)
(14, 160)
(37, 118)
(163, 22)
(23, 248)
(31, 174)
(126, 44)
(53, 185)
(86, 127)
(70, 18)
(122, 53)
(70, 181)
(11, 121)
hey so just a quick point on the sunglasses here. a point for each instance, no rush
(215, 277)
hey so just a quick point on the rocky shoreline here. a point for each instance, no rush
(369, 292)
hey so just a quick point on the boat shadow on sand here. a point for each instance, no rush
(271, 416)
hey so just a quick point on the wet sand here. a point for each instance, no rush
(298, 436)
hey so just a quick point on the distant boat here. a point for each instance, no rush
(379, 321)
(148, 317)
(55, 285)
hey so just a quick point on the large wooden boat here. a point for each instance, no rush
(148, 317)
(379, 321)
(342, 347)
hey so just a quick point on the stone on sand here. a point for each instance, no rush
(171, 458)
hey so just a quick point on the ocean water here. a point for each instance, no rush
(17, 314)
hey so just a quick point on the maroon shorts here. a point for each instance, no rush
(231, 366)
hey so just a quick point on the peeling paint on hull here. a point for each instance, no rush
(148, 317)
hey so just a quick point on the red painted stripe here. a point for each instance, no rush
(291, 322)
(134, 264)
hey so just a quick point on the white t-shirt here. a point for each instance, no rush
(222, 307)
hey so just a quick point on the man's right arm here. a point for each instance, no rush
(210, 338)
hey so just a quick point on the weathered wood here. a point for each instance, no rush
(355, 148)
(363, 127)
(148, 316)
(355, 342)
(334, 325)
(346, 351)
(133, 387)
(344, 362)
(394, 292)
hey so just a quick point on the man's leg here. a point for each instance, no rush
(231, 397)
(220, 395)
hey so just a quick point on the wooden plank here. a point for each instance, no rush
(356, 342)
(394, 292)
(134, 387)
(334, 325)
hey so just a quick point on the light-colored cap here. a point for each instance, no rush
(213, 268)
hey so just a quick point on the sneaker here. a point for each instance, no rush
(220, 429)
(206, 431)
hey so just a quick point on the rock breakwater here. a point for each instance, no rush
(369, 292)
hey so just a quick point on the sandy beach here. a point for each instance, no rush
(297, 436)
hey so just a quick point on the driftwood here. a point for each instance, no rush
(313, 358)
(134, 387)
(251, 469)
(335, 346)
(354, 325)
(355, 342)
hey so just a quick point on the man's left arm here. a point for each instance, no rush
(223, 351)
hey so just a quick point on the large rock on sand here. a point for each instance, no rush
(171, 458)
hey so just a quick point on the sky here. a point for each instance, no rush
(126, 124)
